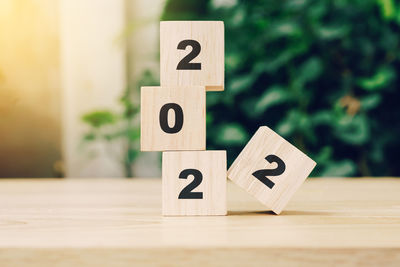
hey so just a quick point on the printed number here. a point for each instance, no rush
(262, 174)
(164, 118)
(186, 192)
(185, 63)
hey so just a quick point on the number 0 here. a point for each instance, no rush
(164, 118)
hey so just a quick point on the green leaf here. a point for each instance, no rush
(231, 134)
(388, 9)
(382, 78)
(133, 134)
(318, 10)
(209, 118)
(310, 70)
(370, 101)
(295, 5)
(285, 128)
(279, 60)
(131, 155)
(241, 83)
(324, 155)
(284, 28)
(353, 130)
(89, 137)
(341, 168)
(295, 121)
(99, 118)
(398, 16)
(274, 95)
(332, 32)
(323, 117)
(232, 61)
(238, 17)
(223, 3)
(108, 136)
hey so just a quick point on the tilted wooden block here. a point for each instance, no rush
(270, 169)
(194, 183)
(192, 53)
(173, 118)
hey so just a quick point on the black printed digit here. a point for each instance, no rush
(164, 118)
(262, 174)
(185, 63)
(186, 192)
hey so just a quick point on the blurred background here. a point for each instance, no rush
(322, 73)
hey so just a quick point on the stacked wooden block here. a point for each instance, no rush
(173, 120)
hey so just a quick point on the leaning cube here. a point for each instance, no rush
(192, 53)
(270, 169)
(194, 183)
(173, 118)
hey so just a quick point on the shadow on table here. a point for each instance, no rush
(283, 213)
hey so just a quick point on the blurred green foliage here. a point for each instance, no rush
(322, 73)
(122, 128)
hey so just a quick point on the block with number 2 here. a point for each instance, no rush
(192, 53)
(194, 183)
(270, 169)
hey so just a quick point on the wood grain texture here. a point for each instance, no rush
(118, 222)
(192, 136)
(212, 167)
(210, 35)
(253, 158)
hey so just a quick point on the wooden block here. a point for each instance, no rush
(271, 169)
(194, 183)
(173, 118)
(192, 53)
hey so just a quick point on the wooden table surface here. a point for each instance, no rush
(117, 222)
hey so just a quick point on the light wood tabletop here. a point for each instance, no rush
(118, 222)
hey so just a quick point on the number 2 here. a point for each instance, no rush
(186, 192)
(185, 63)
(262, 174)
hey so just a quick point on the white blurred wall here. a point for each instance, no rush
(60, 59)
(96, 64)
(30, 134)
(93, 77)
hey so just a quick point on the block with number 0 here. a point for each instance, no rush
(173, 118)
(192, 53)
(270, 169)
(194, 183)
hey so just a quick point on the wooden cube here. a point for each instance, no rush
(194, 183)
(173, 118)
(270, 169)
(192, 53)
